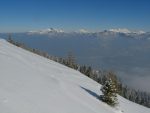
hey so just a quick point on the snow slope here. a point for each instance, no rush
(32, 84)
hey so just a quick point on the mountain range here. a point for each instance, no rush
(105, 33)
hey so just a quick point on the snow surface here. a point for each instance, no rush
(32, 84)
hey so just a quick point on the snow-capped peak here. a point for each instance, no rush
(119, 30)
(46, 31)
(126, 31)
(140, 32)
(83, 31)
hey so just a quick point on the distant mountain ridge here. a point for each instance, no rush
(101, 34)
(46, 31)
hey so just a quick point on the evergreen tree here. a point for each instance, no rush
(71, 61)
(10, 39)
(88, 71)
(109, 93)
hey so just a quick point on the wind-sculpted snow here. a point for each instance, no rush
(32, 84)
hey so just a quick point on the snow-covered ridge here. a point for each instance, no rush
(120, 30)
(32, 84)
(51, 32)
(46, 31)
(126, 31)
(84, 31)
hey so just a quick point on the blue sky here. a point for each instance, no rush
(25, 15)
